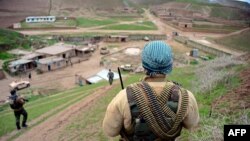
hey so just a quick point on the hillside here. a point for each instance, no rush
(77, 114)
(10, 40)
(239, 41)
(10, 14)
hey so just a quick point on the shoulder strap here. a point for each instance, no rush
(160, 118)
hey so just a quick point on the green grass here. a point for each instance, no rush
(239, 42)
(10, 39)
(230, 14)
(183, 76)
(92, 119)
(123, 18)
(39, 106)
(217, 27)
(6, 56)
(87, 22)
(139, 26)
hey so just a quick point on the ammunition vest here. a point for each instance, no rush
(155, 117)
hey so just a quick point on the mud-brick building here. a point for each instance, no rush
(33, 56)
(21, 65)
(59, 50)
(84, 52)
(116, 38)
(51, 63)
(184, 23)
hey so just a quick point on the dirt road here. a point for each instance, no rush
(59, 79)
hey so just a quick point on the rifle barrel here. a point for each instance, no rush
(120, 77)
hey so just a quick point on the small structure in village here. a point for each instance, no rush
(59, 50)
(33, 56)
(194, 53)
(51, 63)
(21, 65)
(100, 76)
(184, 23)
(116, 38)
(50, 58)
(37, 19)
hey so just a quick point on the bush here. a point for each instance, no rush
(194, 62)
(211, 73)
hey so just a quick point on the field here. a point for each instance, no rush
(87, 22)
(214, 28)
(239, 41)
(231, 14)
(147, 25)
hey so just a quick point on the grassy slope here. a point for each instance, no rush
(240, 41)
(39, 106)
(230, 14)
(88, 125)
(10, 40)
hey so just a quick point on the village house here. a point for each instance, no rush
(21, 65)
(185, 23)
(33, 56)
(51, 63)
(36, 19)
(59, 50)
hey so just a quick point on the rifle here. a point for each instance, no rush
(120, 78)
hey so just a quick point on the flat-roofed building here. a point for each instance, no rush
(37, 19)
(59, 50)
(51, 63)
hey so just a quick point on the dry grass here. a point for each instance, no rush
(211, 73)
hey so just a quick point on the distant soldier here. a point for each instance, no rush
(30, 76)
(110, 77)
(16, 103)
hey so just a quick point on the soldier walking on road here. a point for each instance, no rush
(16, 103)
(110, 77)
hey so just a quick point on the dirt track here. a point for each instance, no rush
(49, 130)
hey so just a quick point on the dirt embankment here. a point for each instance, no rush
(238, 98)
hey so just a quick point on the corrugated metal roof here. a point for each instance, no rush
(19, 62)
(103, 74)
(50, 60)
(94, 79)
(56, 49)
(83, 49)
